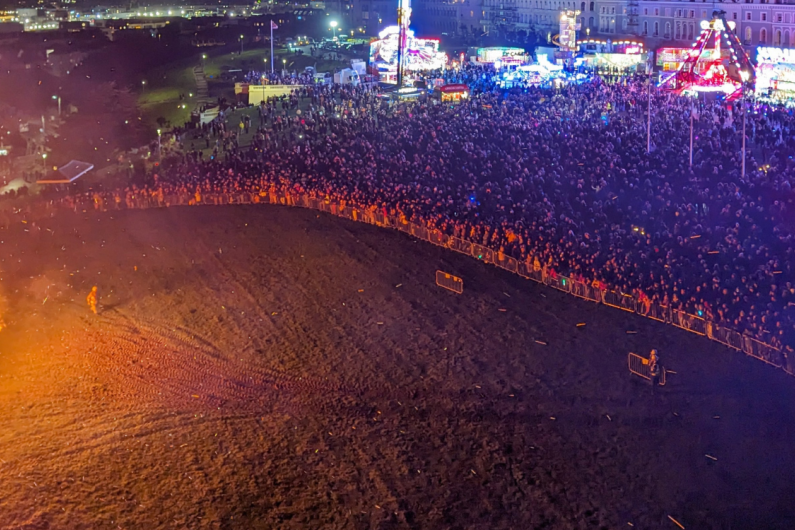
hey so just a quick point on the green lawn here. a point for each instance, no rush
(166, 83)
(250, 60)
(160, 96)
(171, 111)
(259, 59)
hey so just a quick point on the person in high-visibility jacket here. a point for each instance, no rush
(92, 300)
(654, 368)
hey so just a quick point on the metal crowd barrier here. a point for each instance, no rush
(691, 323)
(640, 366)
(622, 301)
(529, 268)
(449, 282)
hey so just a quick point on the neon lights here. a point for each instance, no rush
(775, 80)
(421, 54)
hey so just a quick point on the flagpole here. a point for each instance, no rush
(271, 46)
(648, 105)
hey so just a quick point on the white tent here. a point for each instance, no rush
(68, 173)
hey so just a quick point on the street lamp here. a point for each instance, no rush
(745, 76)
(143, 86)
(158, 143)
(59, 103)
(241, 44)
(333, 25)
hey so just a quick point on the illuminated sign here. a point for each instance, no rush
(775, 73)
(775, 55)
(502, 54)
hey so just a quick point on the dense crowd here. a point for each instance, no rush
(282, 77)
(559, 175)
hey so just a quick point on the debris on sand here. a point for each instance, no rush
(398, 285)
(711, 457)
(581, 324)
(540, 342)
(677, 523)
(629, 332)
(502, 309)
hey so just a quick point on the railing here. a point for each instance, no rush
(530, 268)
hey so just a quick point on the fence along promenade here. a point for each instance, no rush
(530, 268)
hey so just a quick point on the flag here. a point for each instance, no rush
(273, 25)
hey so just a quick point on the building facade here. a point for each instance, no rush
(758, 23)
(373, 15)
(657, 22)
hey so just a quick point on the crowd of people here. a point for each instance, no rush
(560, 175)
(281, 77)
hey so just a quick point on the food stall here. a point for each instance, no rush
(452, 93)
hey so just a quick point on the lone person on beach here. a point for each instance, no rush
(92, 300)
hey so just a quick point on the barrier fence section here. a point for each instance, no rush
(530, 268)
(640, 366)
(448, 281)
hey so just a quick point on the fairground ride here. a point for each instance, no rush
(398, 51)
(717, 63)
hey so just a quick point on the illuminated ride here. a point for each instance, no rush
(542, 73)
(716, 63)
(566, 39)
(775, 75)
(624, 56)
(397, 50)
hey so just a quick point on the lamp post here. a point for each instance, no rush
(59, 103)
(204, 58)
(648, 112)
(241, 44)
(284, 66)
(333, 25)
(159, 147)
(692, 112)
(143, 86)
(744, 75)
